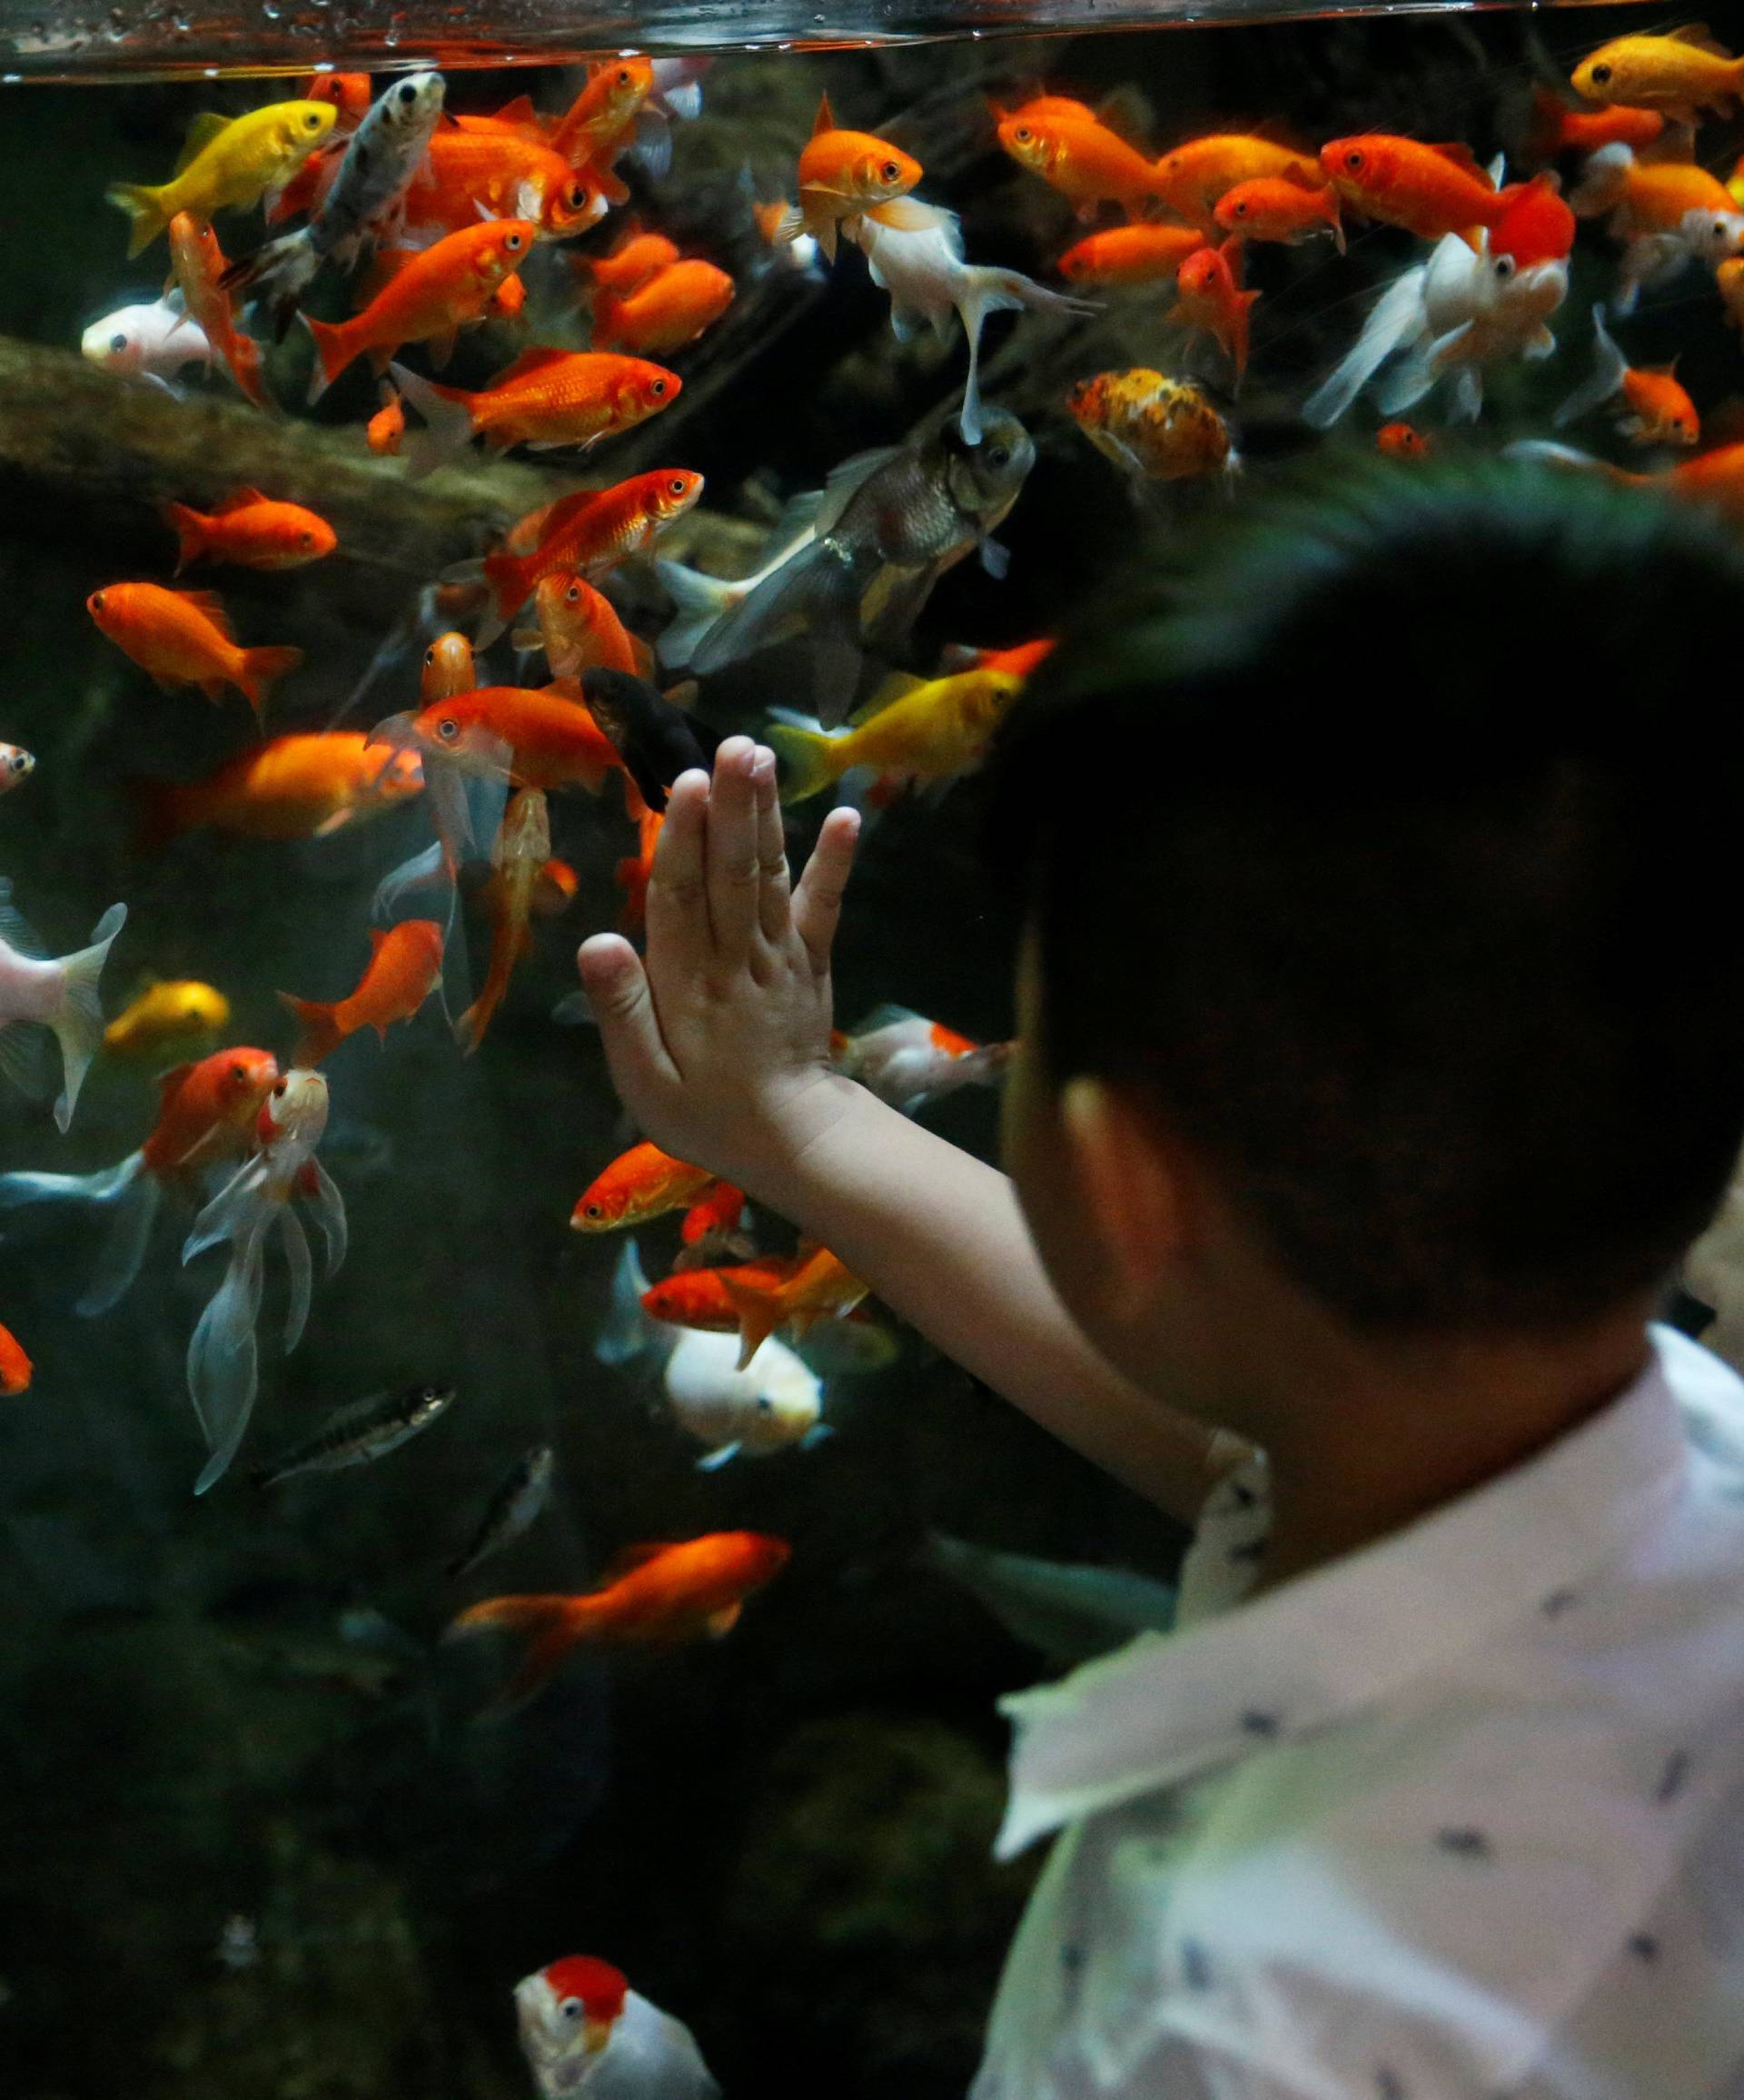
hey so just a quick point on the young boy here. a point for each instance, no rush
(1382, 1031)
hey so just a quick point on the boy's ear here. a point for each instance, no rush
(1131, 1189)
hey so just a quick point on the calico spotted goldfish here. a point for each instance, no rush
(1156, 428)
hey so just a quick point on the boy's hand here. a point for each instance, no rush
(720, 1042)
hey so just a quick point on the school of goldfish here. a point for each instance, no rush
(412, 224)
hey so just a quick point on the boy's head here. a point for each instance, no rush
(1382, 873)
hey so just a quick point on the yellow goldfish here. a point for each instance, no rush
(227, 161)
(168, 1020)
(913, 729)
(1680, 74)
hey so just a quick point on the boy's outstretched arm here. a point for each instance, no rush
(719, 1046)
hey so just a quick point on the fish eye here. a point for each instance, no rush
(577, 197)
(513, 243)
(1354, 159)
(1022, 134)
(999, 456)
(239, 1074)
(674, 486)
(571, 2009)
(595, 1211)
(1600, 75)
(117, 343)
(19, 762)
(657, 388)
(96, 601)
(278, 1090)
(765, 1406)
(1721, 230)
(305, 538)
(1240, 211)
(891, 171)
(448, 729)
(573, 596)
(1505, 267)
(430, 657)
(408, 94)
(626, 78)
(313, 120)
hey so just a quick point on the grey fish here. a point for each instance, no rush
(514, 1507)
(1071, 1613)
(890, 526)
(359, 1434)
(385, 152)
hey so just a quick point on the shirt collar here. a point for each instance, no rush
(1346, 1635)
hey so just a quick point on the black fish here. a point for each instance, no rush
(367, 1430)
(656, 740)
(514, 1506)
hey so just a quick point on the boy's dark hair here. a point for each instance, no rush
(1394, 850)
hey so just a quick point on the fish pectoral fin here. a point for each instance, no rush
(723, 1622)
(712, 1461)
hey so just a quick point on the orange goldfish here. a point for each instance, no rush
(698, 1297)
(16, 1367)
(1657, 409)
(1269, 208)
(447, 669)
(579, 630)
(546, 399)
(505, 176)
(1160, 429)
(1401, 441)
(714, 1215)
(1209, 297)
(671, 309)
(1080, 157)
(1195, 177)
(387, 427)
(628, 265)
(518, 860)
(538, 738)
(405, 966)
(182, 637)
(655, 1594)
(252, 531)
(1644, 197)
(818, 1288)
(1679, 75)
(1145, 254)
(842, 174)
(1558, 129)
(640, 1184)
(1019, 661)
(199, 265)
(1537, 227)
(634, 870)
(509, 301)
(1429, 190)
(590, 532)
(429, 300)
(1729, 278)
(348, 92)
(287, 787)
(597, 123)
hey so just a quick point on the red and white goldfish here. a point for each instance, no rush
(590, 533)
(1657, 411)
(1269, 208)
(251, 531)
(16, 766)
(1142, 254)
(1668, 213)
(304, 786)
(641, 1183)
(439, 292)
(666, 312)
(1156, 428)
(405, 966)
(546, 399)
(57, 993)
(518, 859)
(1429, 190)
(16, 1371)
(183, 638)
(229, 162)
(223, 1357)
(909, 1061)
(1680, 74)
(1194, 178)
(584, 2031)
(199, 266)
(842, 174)
(657, 1595)
(1209, 297)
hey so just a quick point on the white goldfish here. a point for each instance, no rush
(915, 253)
(584, 2031)
(223, 1357)
(151, 342)
(1454, 316)
(60, 994)
(907, 1060)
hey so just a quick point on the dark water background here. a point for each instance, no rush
(782, 1837)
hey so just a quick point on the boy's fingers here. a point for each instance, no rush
(774, 904)
(818, 900)
(730, 851)
(678, 900)
(618, 989)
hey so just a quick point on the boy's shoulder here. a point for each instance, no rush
(1423, 1814)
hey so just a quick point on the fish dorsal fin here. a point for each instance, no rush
(171, 1081)
(1676, 143)
(723, 1622)
(201, 131)
(897, 686)
(1460, 156)
(826, 118)
(209, 603)
(520, 110)
(1124, 112)
(839, 488)
(630, 1558)
(684, 695)
(538, 358)
(241, 499)
(1230, 252)
(885, 1016)
(1698, 37)
(378, 936)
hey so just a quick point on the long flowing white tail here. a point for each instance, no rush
(128, 1190)
(77, 1020)
(1397, 315)
(223, 1357)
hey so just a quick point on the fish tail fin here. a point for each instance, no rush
(810, 753)
(471, 1028)
(628, 1330)
(815, 591)
(145, 206)
(189, 529)
(1610, 368)
(698, 601)
(551, 1627)
(20, 1190)
(224, 1358)
(506, 575)
(1396, 315)
(447, 411)
(77, 1019)
(245, 368)
(334, 350)
(258, 670)
(135, 1194)
(759, 1314)
(320, 1032)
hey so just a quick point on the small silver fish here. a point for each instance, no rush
(362, 1433)
(515, 1506)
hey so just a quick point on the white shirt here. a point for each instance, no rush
(1458, 1816)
